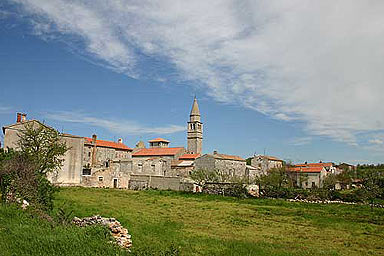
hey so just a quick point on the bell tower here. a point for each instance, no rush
(195, 130)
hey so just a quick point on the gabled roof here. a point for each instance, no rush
(182, 163)
(159, 140)
(315, 169)
(315, 164)
(108, 144)
(225, 157)
(189, 156)
(158, 151)
(25, 122)
(272, 158)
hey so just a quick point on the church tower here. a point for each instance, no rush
(195, 130)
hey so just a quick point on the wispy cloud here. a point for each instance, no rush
(121, 127)
(300, 141)
(317, 62)
(6, 110)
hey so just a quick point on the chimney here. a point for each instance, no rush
(94, 138)
(18, 120)
(94, 149)
(23, 117)
(215, 152)
(120, 141)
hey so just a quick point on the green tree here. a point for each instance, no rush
(40, 152)
(43, 146)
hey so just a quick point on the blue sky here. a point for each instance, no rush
(298, 80)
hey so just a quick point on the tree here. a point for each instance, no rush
(43, 146)
(24, 172)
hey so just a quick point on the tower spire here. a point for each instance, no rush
(195, 130)
(195, 108)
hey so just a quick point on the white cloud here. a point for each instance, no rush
(376, 141)
(300, 141)
(122, 127)
(318, 62)
(5, 110)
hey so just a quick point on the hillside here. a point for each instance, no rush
(163, 222)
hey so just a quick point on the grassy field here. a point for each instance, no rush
(163, 222)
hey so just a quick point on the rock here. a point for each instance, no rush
(119, 233)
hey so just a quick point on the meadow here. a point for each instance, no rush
(175, 223)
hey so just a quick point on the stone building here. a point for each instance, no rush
(106, 163)
(195, 130)
(157, 159)
(265, 163)
(99, 163)
(184, 166)
(308, 176)
(229, 165)
(88, 162)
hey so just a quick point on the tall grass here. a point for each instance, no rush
(174, 223)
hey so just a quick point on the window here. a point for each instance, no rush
(140, 165)
(153, 167)
(86, 172)
(89, 154)
(101, 178)
(313, 184)
(306, 183)
(107, 164)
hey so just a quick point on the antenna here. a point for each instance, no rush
(264, 151)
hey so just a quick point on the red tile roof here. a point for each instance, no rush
(159, 140)
(108, 144)
(189, 156)
(158, 151)
(306, 169)
(227, 157)
(315, 165)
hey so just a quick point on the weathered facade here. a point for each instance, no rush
(307, 176)
(231, 166)
(88, 162)
(93, 162)
(265, 163)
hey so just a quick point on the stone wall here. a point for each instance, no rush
(140, 182)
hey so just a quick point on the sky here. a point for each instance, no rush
(300, 80)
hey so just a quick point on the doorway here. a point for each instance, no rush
(115, 183)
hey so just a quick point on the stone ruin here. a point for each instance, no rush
(119, 233)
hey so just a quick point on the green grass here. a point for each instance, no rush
(162, 222)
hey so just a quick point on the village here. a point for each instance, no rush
(93, 162)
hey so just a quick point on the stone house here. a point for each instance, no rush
(328, 166)
(88, 162)
(308, 176)
(265, 163)
(184, 166)
(157, 159)
(232, 166)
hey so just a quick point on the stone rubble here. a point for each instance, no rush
(331, 202)
(121, 235)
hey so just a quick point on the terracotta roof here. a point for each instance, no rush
(227, 157)
(271, 158)
(157, 151)
(306, 169)
(189, 156)
(159, 140)
(315, 165)
(108, 144)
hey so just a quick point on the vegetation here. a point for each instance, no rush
(24, 234)
(174, 223)
(23, 173)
